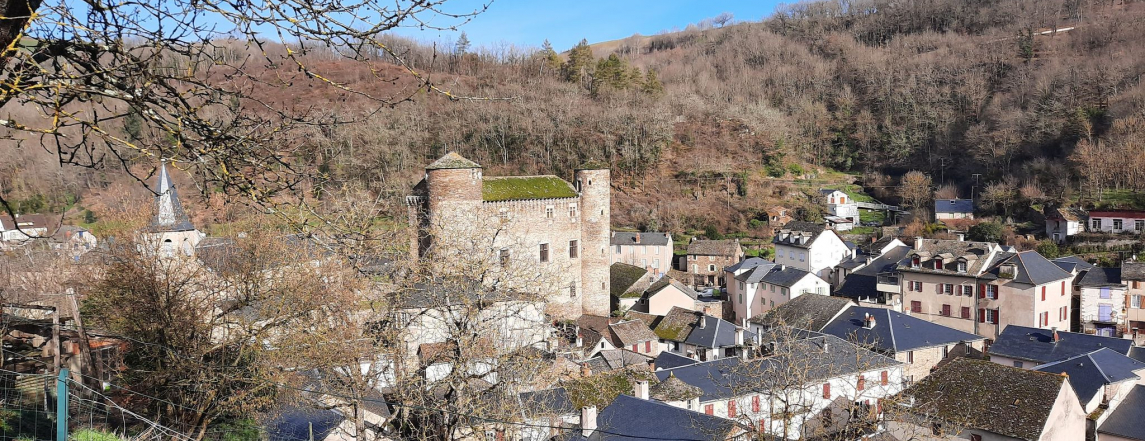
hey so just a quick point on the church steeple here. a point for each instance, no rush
(169, 214)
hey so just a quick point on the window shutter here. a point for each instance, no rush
(648, 346)
(636, 347)
(981, 315)
(995, 320)
(709, 409)
(1063, 287)
(862, 383)
(982, 291)
(827, 390)
(938, 288)
(731, 409)
(755, 403)
(959, 290)
(884, 378)
(997, 293)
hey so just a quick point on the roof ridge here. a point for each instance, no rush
(891, 330)
(1107, 378)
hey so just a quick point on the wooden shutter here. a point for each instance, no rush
(862, 383)
(827, 390)
(648, 346)
(731, 409)
(959, 290)
(755, 403)
(1063, 287)
(995, 320)
(981, 315)
(708, 409)
(636, 347)
(982, 291)
(884, 378)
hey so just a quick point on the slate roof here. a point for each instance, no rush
(1068, 214)
(1137, 353)
(650, 238)
(1032, 268)
(1132, 270)
(701, 247)
(452, 160)
(1125, 420)
(755, 273)
(874, 247)
(630, 418)
(620, 358)
(749, 263)
(791, 233)
(674, 389)
(796, 361)
(1101, 277)
(648, 319)
(1037, 345)
(953, 206)
(172, 218)
(593, 328)
(783, 275)
(547, 401)
(677, 324)
(669, 360)
(810, 312)
(623, 276)
(1072, 263)
(1005, 400)
(628, 333)
(1089, 372)
(980, 256)
(716, 333)
(293, 423)
(894, 331)
(862, 282)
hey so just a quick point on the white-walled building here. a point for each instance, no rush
(1062, 223)
(756, 286)
(1116, 222)
(810, 247)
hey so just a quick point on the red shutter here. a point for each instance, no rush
(879, 405)
(636, 347)
(959, 290)
(731, 409)
(981, 315)
(862, 383)
(500, 435)
(755, 403)
(995, 321)
(884, 378)
(997, 293)
(1043, 293)
(709, 410)
(827, 390)
(648, 346)
(982, 291)
(1063, 287)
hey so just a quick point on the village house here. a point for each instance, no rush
(1063, 222)
(547, 413)
(700, 336)
(1026, 347)
(806, 389)
(610, 360)
(667, 294)
(978, 287)
(23, 227)
(1116, 222)
(875, 281)
(810, 247)
(1101, 302)
(597, 333)
(1099, 378)
(991, 402)
(945, 209)
(640, 418)
(777, 216)
(1133, 276)
(804, 312)
(544, 223)
(651, 251)
(840, 205)
(627, 283)
(707, 259)
(756, 286)
(1124, 422)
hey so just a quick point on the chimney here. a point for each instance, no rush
(587, 421)
(961, 236)
(703, 321)
(1054, 333)
(640, 389)
(585, 371)
(826, 348)
(781, 267)
(870, 323)
(652, 365)
(917, 242)
(579, 341)
(739, 336)
(637, 237)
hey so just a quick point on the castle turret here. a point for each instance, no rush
(593, 180)
(453, 192)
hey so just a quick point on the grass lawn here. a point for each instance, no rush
(872, 216)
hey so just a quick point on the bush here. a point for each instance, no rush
(712, 233)
(93, 435)
(986, 232)
(795, 169)
(1047, 249)
(755, 223)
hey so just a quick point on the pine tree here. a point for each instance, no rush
(462, 45)
(552, 59)
(652, 84)
(580, 61)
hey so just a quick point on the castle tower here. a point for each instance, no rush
(453, 193)
(171, 232)
(593, 180)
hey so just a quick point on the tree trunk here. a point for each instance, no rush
(14, 16)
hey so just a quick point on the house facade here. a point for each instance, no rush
(536, 224)
(1061, 223)
(762, 287)
(841, 206)
(651, 251)
(810, 247)
(707, 259)
(23, 227)
(1131, 222)
(1133, 276)
(977, 287)
(953, 209)
(1102, 302)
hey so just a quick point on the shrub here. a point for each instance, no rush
(986, 232)
(1047, 249)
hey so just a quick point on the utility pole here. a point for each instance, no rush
(975, 187)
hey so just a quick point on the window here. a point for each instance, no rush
(636, 347)
(772, 287)
(544, 252)
(1104, 293)
(948, 288)
(801, 256)
(549, 212)
(945, 310)
(968, 290)
(827, 390)
(1096, 224)
(711, 267)
(573, 252)
(918, 286)
(1117, 224)
(915, 262)
(945, 351)
(572, 210)
(783, 291)
(991, 291)
(915, 306)
(741, 298)
(961, 267)
(779, 252)
(618, 249)
(709, 409)
(910, 356)
(741, 286)
(937, 264)
(965, 312)
(884, 378)
(656, 263)
(992, 315)
(503, 257)
(572, 290)
(1135, 302)
(731, 409)
(1139, 225)
(1063, 287)
(1017, 364)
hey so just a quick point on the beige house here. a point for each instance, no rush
(651, 251)
(756, 286)
(980, 288)
(668, 293)
(1133, 276)
(708, 258)
(991, 402)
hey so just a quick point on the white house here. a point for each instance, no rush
(822, 384)
(22, 227)
(757, 287)
(1062, 223)
(953, 209)
(1117, 222)
(810, 247)
(840, 206)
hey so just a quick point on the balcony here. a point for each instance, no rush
(888, 284)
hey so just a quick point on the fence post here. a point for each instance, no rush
(62, 405)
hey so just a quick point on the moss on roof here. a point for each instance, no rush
(622, 276)
(511, 188)
(452, 160)
(631, 294)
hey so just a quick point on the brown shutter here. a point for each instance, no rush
(982, 291)
(981, 315)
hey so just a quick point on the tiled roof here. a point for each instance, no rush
(1008, 401)
(630, 418)
(701, 247)
(452, 160)
(625, 334)
(893, 331)
(953, 206)
(677, 324)
(653, 239)
(1126, 420)
(1118, 214)
(1037, 345)
(810, 312)
(1132, 270)
(664, 282)
(1089, 372)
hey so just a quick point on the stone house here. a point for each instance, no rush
(707, 259)
(1133, 276)
(1101, 302)
(668, 293)
(756, 286)
(540, 223)
(978, 287)
(810, 247)
(1061, 223)
(953, 209)
(627, 283)
(651, 251)
(597, 333)
(993, 402)
(777, 216)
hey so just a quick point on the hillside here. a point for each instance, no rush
(755, 114)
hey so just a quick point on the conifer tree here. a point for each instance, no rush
(580, 61)
(462, 45)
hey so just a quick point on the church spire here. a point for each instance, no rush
(169, 214)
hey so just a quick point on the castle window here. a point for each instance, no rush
(544, 253)
(572, 290)
(572, 210)
(504, 214)
(504, 257)
(573, 249)
(549, 212)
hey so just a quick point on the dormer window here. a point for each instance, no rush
(915, 262)
(937, 264)
(961, 266)
(1007, 271)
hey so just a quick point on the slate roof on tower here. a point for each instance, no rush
(452, 160)
(169, 213)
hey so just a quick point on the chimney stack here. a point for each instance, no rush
(703, 321)
(587, 421)
(641, 389)
(917, 243)
(739, 336)
(870, 322)
(637, 237)
(1054, 331)
(961, 236)
(585, 371)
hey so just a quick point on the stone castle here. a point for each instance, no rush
(542, 225)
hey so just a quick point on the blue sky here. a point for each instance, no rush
(564, 23)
